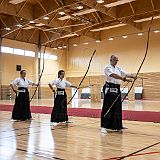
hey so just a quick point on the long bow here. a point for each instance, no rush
(83, 76)
(40, 76)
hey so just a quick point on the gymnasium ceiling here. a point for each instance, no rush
(53, 22)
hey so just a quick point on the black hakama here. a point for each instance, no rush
(113, 120)
(59, 112)
(21, 110)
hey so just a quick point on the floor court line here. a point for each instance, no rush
(134, 153)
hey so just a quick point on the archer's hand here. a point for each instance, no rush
(134, 77)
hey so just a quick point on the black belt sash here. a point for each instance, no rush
(22, 89)
(60, 92)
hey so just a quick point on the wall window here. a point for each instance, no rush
(19, 51)
(47, 56)
(53, 57)
(29, 53)
(7, 50)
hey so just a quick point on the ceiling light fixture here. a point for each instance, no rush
(140, 34)
(62, 13)
(100, 1)
(31, 21)
(75, 45)
(46, 18)
(124, 36)
(98, 41)
(110, 39)
(8, 29)
(156, 31)
(19, 25)
(86, 43)
(80, 7)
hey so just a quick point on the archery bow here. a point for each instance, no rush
(83, 76)
(40, 76)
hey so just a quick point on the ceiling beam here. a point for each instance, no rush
(46, 35)
(32, 35)
(42, 6)
(18, 33)
(152, 4)
(79, 31)
(3, 22)
(36, 12)
(99, 17)
(112, 12)
(95, 17)
(23, 5)
(130, 4)
(2, 1)
(10, 9)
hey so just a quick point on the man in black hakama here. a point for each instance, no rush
(112, 96)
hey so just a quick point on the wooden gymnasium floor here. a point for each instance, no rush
(81, 140)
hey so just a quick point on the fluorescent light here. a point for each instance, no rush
(80, 7)
(108, 27)
(70, 35)
(75, 45)
(46, 18)
(31, 21)
(110, 39)
(62, 13)
(8, 29)
(98, 41)
(140, 34)
(146, 19)
(156, 31)
(16, 1)
(86, 43)
(19, 25)
(100, 1)
(78, 13)
(117, 3)
(64, 46)
(59, 47)
(55, 48)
